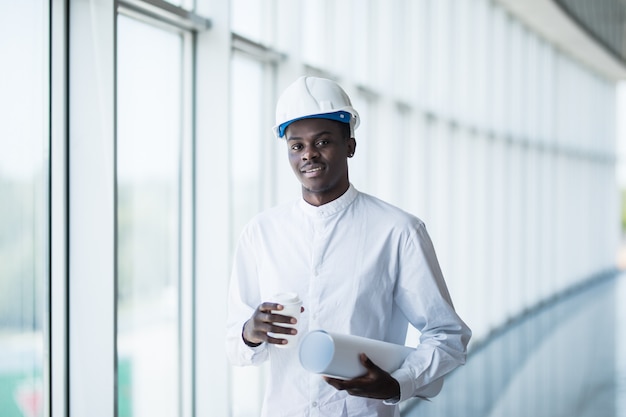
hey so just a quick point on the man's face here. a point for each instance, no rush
(318, 152)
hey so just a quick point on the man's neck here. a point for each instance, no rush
(319, 199)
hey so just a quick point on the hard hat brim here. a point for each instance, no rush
(338, 116)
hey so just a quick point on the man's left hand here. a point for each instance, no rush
(376, 383)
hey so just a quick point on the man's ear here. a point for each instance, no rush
(351, 147)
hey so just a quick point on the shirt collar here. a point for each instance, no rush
(330, 208)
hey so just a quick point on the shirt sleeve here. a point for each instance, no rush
(243, 298)
(422, 295)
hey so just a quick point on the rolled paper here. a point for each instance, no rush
(337, 355)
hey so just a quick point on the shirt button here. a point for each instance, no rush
(314, 404)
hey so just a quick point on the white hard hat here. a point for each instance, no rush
(312, 97)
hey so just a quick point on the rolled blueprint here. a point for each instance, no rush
(337, 355)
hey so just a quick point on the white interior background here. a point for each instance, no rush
(124, 186)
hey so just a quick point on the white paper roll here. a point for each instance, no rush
(337, 355)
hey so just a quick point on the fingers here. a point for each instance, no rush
(365, 361)
(267, 320)
(375, 383)
(357, 386)
(338, 384)
(368, 364)
(267, 314)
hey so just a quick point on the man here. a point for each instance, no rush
(361, 267)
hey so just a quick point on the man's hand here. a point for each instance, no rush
(376, 383)
(262, 321)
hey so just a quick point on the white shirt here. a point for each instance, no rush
(361, 267)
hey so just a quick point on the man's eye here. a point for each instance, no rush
(322, 142)
(296, 147)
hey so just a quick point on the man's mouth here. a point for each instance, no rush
(312, 169)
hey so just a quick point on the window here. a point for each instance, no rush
(247, 162)
(249, 169)
(24, 208)
(153, 212)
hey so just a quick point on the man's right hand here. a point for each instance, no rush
(263, 321)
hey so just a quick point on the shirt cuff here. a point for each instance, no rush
(407, 388)
(392, 401)
(250, 352)
(405, 381)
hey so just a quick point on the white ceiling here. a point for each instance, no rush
(545, 17)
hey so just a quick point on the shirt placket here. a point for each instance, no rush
(318, 248)
(319, 243)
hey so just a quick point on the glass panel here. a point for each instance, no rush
(149, 136)
(315, 41)
(24, 208)
(247, 18)
(246, 174)
(361, 30)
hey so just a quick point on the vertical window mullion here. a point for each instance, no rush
(212, 229)
(91, 208)
(187, 227)
(58, 212)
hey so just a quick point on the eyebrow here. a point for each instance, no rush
(317, 135)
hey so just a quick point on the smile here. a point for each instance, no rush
(312, 170)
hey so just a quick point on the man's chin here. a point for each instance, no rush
(314, 188)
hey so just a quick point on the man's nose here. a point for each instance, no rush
(310, 153)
